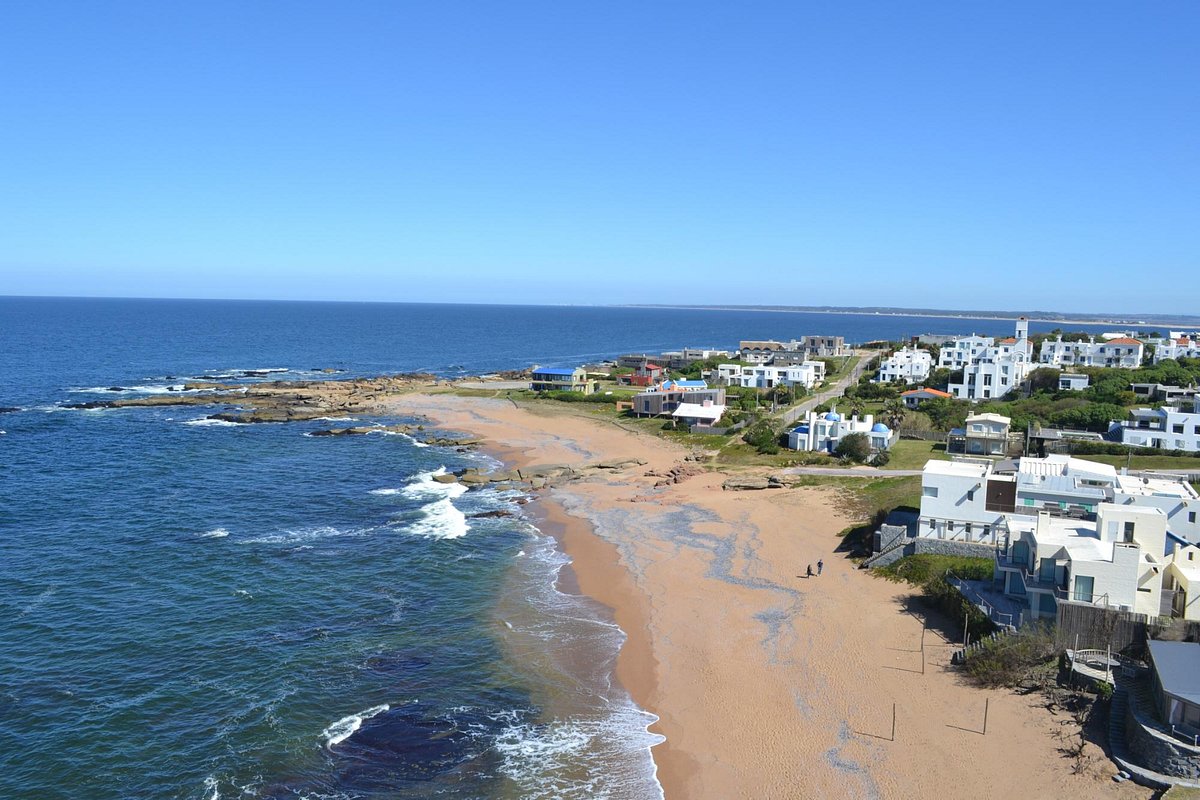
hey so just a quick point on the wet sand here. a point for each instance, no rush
(768, 684)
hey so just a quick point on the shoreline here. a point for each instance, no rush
(764, 684)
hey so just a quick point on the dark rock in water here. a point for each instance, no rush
(115, 389)
(396, 666)
(255, 373)
(489, 514)
(8, 409)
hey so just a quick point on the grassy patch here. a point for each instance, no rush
(920, 568)
(863, 498)
(1148, 462)
(913, 453)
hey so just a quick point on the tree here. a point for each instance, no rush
(855, 447)
(1044, 379)
(762, 437)
(894, 411)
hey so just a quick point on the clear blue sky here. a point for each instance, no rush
(981, 155)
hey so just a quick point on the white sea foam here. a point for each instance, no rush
(297, 536)
(215, 533)
(150, 388)
(386, 491)
(211, 788)
(425, 487)
(335, 419)
(441, 520)
(205, 422)
(345, 727)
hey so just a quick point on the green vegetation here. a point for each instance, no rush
(913, 453)
(763, 437)
(856, 447)
(1013, 659)
(919, 569)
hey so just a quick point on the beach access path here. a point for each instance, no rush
(833, 391)
(768, 684)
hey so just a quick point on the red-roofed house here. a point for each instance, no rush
(646, 375)
(914, 397)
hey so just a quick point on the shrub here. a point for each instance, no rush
(855, 446)
(762, 437)
(1009, 660)
(1104, 691)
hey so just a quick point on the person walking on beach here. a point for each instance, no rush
(809, 573)
(820, 566)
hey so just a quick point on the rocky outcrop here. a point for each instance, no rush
(751, 482)
(537, 476)
(8, 409)
(676, 474)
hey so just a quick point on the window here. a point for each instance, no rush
(929, 491)
(1191, 516)
(1084, 584)
(970, 495)
(1127, 532)
(967, 528)
(950, 525)
(1177, 427)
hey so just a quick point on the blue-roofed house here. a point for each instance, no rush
(561, 379)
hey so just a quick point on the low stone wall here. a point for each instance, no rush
(1156, 749)
(943, 547)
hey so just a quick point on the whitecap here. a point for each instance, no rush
(212, 788)
(206, 422)
(425, 486)
(243, 593)
(335, 419)
(345, 727)
(215, 533)
(441, 520)
(295, 536)
(386, 491)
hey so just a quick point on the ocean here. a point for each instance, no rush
(208, 610)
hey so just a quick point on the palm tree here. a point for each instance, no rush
(895, 411)
(856, 407)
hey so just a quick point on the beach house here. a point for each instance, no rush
(1120, 353)
(909, 364)
(1174, 427)
(1175, 667)
(822, 432)
(1181, 580)
(759, 376)
(698, 415)
(914, 397)
(1115, 561)
(982, 435)
(989, 370)
(561, 379)
(1073, 382)
(664, 398)
(646, 374)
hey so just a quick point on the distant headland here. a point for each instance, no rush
(1078, 318)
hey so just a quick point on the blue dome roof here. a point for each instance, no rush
(800, 429)
(879, 427)
(833, 416)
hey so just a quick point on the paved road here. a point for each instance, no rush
(836, 390)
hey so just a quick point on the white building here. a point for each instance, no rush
(1122, 353)
(981, 435)
(961, 352)
(1177, 347)
(1073, 382)
(823, 432)
(758, 376)
(996, 369)
(1181, 580)
(967, 499)
(693, 414)
(1168, 428)
(909, 364)
(1116, 561)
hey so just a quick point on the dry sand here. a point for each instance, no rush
(768, 684)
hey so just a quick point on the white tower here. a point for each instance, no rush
(1022, 329)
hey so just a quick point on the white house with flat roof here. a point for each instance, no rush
(1115, 561)
(954, 500)
(1173, 495)
(694, 414)
(1120, 353)
(909, 364)
(1168, 428)
(1181, 580)
(759, 376)
(993, 370)
(960, 352)
(1073, 382)
(981, 435)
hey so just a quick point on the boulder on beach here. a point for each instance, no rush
(746, 483)
(448, 477)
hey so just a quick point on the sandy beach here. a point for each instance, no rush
(768, 684)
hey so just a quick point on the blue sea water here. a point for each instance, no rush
(199, 610)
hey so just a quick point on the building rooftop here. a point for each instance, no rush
(1060, 465)
(711, 412)
(990, 418)
(1178, 668)
(962, 469)
(554, 371)
(1124, 340)
(1145, 486)
(923, 390)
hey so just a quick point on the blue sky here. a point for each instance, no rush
(981, 155)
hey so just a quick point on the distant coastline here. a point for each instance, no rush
(1033, 316)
